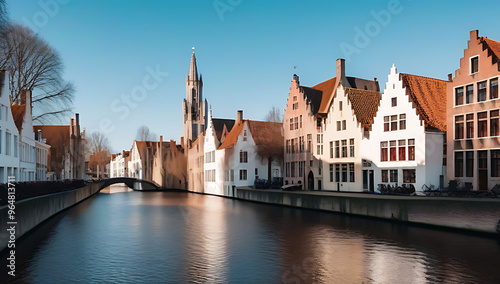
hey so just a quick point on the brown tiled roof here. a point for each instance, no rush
(429, 98)
(18, 112)
(262, 132)
(326, 88)
(494, 46)
(364, 103)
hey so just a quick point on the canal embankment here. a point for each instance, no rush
(480, 215)
(28, 213)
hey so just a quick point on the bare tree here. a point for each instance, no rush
(36, 66)
(144, 134)
(99, 149)
(274, 115)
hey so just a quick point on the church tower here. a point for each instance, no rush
(194, 119)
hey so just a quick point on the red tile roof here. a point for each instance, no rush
(429, 98)
(326, 88)
(262, 132)
(364, 103)
(494, 46)
(18, 112)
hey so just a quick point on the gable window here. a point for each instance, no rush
(411, 149)
(340, 105)
(494, 131)
(402, 121)
(482, 124)
(459, 96)
(344, 148)
(394, 122)
(243, 174)
(243, 157)
(481, 91)
(392, 150)
(244, 135)
(339, 125)
(402, 150)
(474, 65)
(469, 95)
(494, 88)
(343, 125)
(469, 126)
(386, 123)
(383, 151)
(394, 102)
(337, 149)
(351, 147)
(459, 127)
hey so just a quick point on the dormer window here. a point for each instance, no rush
(394, 102)
(474, 65)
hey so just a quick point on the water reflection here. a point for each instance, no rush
(155, 237)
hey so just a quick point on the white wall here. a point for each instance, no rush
(9, 164)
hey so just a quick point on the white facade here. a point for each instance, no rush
(42, 159)
(400, 150)
(9, 158)
(213, 162)
(135, 163)
(27, 150)
(117, 166)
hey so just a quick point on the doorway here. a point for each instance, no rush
(482, 168)
(310, 181)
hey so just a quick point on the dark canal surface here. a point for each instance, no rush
(154, 237)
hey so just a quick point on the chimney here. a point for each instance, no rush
(239, 117)
(39, 135)
(161, 139)
(72, 127)
(77, 124)
(296, 80)
(340, 72)
(182, 141)
(474, 35)
(450, 77)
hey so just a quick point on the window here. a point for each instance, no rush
(394, 122)
(351, 172)
(469, 163)
(301, 144)
(292, 146)
(386, 123)
(331, 172)
(339, 125)
(344, 172)
(340, 106)
(482, 124)
(402, 150)
(296, 122)
(474, 64)
(385, 176)
(337, 149)
(392, 150)
(318, 122)
(394, 102)
(287, 148)
(343, 125)
(344, 148)
(469, 95)
(494, 88)
(495, 163)
(469, 125)
(287, 169)
(300, 121)
(291, 124)
(302, 166)
(243, 157)
(351, 147)
(16, 147)
(494, 123)
(481, 91)
(331, 149)
(8, 148)
(409, 176)
(243, 174)
(320, 168)
(411, 149)
(393, 175)
(402, 121)
(337, 172)
(309, 142)
(459, 127)
(292, 169)
(482, 159)
(459, 164)
(459, 96)
(245, 135)
(383, 151)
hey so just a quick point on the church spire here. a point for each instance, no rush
(193, 70)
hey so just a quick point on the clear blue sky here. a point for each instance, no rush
(246, 50)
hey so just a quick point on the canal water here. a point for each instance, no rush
(157, 237)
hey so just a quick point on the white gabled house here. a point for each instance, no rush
(9, 158)
(407, 136)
